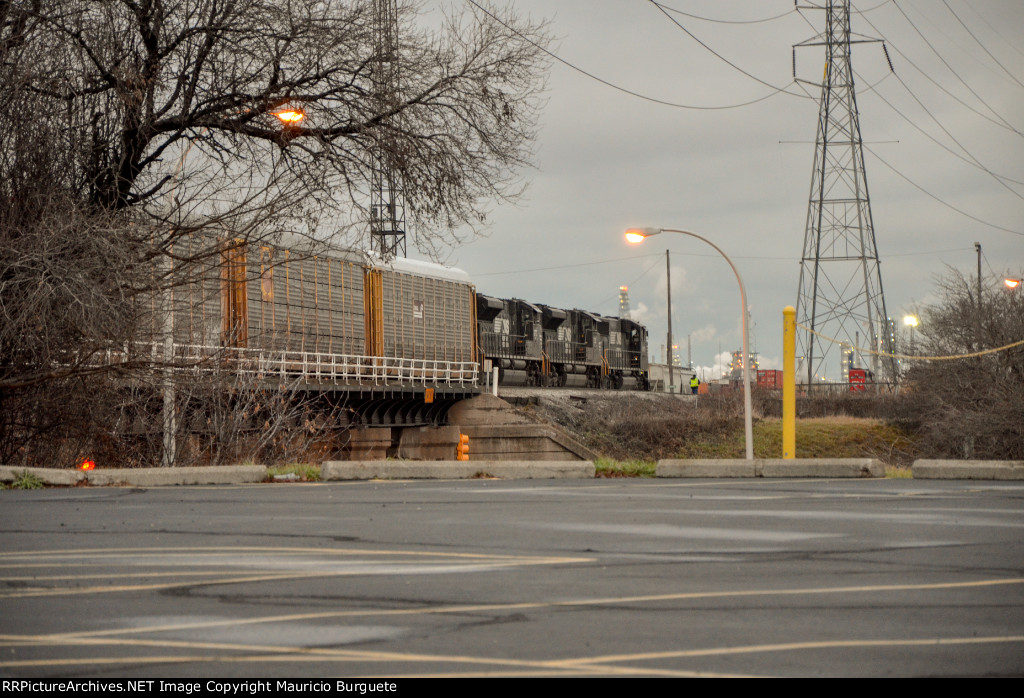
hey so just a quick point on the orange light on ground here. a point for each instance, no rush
(87, 465)
(290, 116)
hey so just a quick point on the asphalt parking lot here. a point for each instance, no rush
(515, 578)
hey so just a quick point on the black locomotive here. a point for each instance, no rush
(538, 345)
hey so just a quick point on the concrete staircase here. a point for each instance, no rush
(496, 433)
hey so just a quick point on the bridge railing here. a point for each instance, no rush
(314, 367)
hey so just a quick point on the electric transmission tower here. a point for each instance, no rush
(840, 280)
(387, 200)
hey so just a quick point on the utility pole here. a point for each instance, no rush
(668, 283)
(840, 279)
(977, 247)
(977, 316)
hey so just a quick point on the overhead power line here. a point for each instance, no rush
(625, 90)
(728, 21)
(982, 44)
(720, 56)
(940, 199)
(1005, 123)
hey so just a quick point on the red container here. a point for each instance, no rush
(769, 378)
(858, 379)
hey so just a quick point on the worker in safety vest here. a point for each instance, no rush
(694, 384)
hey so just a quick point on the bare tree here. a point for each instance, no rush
(131, 128)
(165, 99)
(971, 407)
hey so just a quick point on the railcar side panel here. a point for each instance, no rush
(196, 294)
(306, 303)
(426, 318)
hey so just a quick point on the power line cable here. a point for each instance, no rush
(935, 82)
(717, 54)
(970, 159)
(947, 357)
(871, 9)
(976, 163)
(630, 283)
(567, 266)
(938, 199)
(980, 43)
(995, 30)
(729, 21)
(946, 63)
(625, 90)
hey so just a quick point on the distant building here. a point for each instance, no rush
(735, 372)
(624, 302)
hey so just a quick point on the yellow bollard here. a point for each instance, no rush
(788, 383)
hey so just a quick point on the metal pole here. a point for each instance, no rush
(668, 353)
(170, 425)
(747, 419)
(789, 383)
(977, 317)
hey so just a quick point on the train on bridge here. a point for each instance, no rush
(404, 339)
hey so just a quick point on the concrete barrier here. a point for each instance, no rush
(48, 476)
(142, 477)
(968, 469)
(157, 477)
(772, 467)
(454, 470)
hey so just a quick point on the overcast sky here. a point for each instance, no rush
(741, 176)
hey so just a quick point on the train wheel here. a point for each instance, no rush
(533, 376)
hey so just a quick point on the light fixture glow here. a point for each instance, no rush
(290, 116)
(1011, 283)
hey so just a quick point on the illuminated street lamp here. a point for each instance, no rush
(1012, 283)
(290, 117)
(911, 322)
(637, 235)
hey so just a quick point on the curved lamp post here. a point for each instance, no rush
(637, 235)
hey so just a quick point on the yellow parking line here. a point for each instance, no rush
(531, 605)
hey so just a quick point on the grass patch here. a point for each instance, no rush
(304, 471)
(826, 437)
(24, 480)
(610, 467)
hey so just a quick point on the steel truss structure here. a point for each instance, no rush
(387, 199)
(840, 280)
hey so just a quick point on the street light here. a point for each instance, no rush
(1012, 283)
(911, 322)
(290, 116)
(637, 235)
